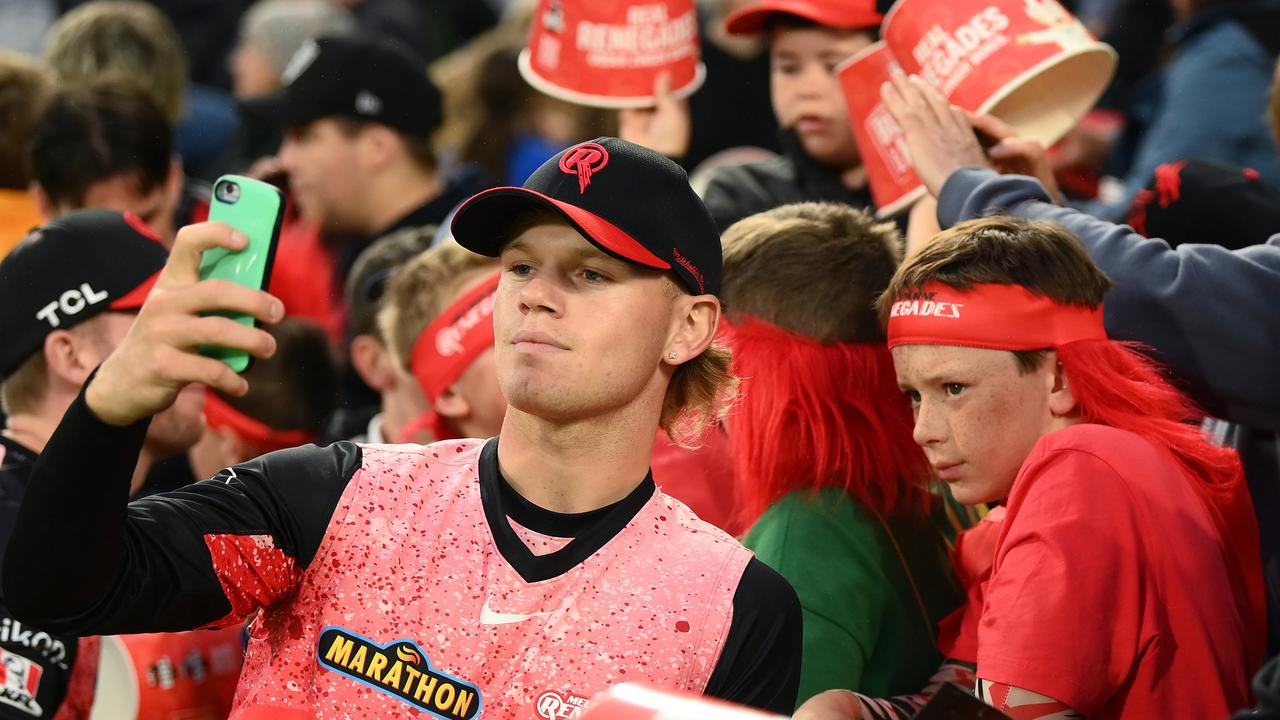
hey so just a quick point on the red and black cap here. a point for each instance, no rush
(70, 270)
(627, 200)
(842, 14)
(1196, 201)
(354, 76)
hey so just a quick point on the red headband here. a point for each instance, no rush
(218, 414)
(454, 339)
(992, 316)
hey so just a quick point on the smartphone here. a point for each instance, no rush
(256, 209)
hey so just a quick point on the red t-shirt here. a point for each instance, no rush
(1111, 589)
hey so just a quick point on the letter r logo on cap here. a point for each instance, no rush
(582, 161)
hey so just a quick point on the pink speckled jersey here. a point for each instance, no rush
(403, 581)
(409, 605)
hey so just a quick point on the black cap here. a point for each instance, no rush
(628, 200)
(354, 76)
(74, 268)
(1195, 201)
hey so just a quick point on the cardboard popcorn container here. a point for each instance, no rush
(1027, 62)
(608, 53)
(894, 183)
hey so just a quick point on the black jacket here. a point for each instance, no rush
(737, 191)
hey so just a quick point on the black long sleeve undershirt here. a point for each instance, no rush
(69, 535)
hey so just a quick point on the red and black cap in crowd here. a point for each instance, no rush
(842, 14)
(627, 200)
(354, 76)
(1195, 201)
(70, 270)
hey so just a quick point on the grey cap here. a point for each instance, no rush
(277, 28)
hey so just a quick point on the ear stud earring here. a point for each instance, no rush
(671, 356)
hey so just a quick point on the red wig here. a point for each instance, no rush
(1116, 385)
(814, 415)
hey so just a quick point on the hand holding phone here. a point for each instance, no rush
(256, 209)
(156, 359)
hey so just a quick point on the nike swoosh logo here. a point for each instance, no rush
(489, 617)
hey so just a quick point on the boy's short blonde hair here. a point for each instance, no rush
(421, 290)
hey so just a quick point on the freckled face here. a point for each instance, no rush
(977, 416)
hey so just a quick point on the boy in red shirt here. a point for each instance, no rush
(1125, 580)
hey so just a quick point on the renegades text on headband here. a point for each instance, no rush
(991, 316)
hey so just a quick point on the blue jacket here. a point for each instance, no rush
(1212, 103)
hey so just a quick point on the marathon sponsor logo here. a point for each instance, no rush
(19, 682)
(401, 670)
(11, 631)
(925, 307)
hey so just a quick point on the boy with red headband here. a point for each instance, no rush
(516, 576)
(1125, 579)
(437, 317)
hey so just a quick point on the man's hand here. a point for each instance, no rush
(663, 128)
(1013, 155)
(158, 357)
(938, 135)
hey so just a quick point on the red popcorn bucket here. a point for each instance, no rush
(1026, 62)
(608, 53)
(894, 183)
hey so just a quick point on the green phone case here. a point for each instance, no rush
(258, 213)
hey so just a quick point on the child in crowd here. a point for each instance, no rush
(399, 399)
(437, 321)
(820, 161)
(826, 467)
(1125, 579)
(292, 394)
